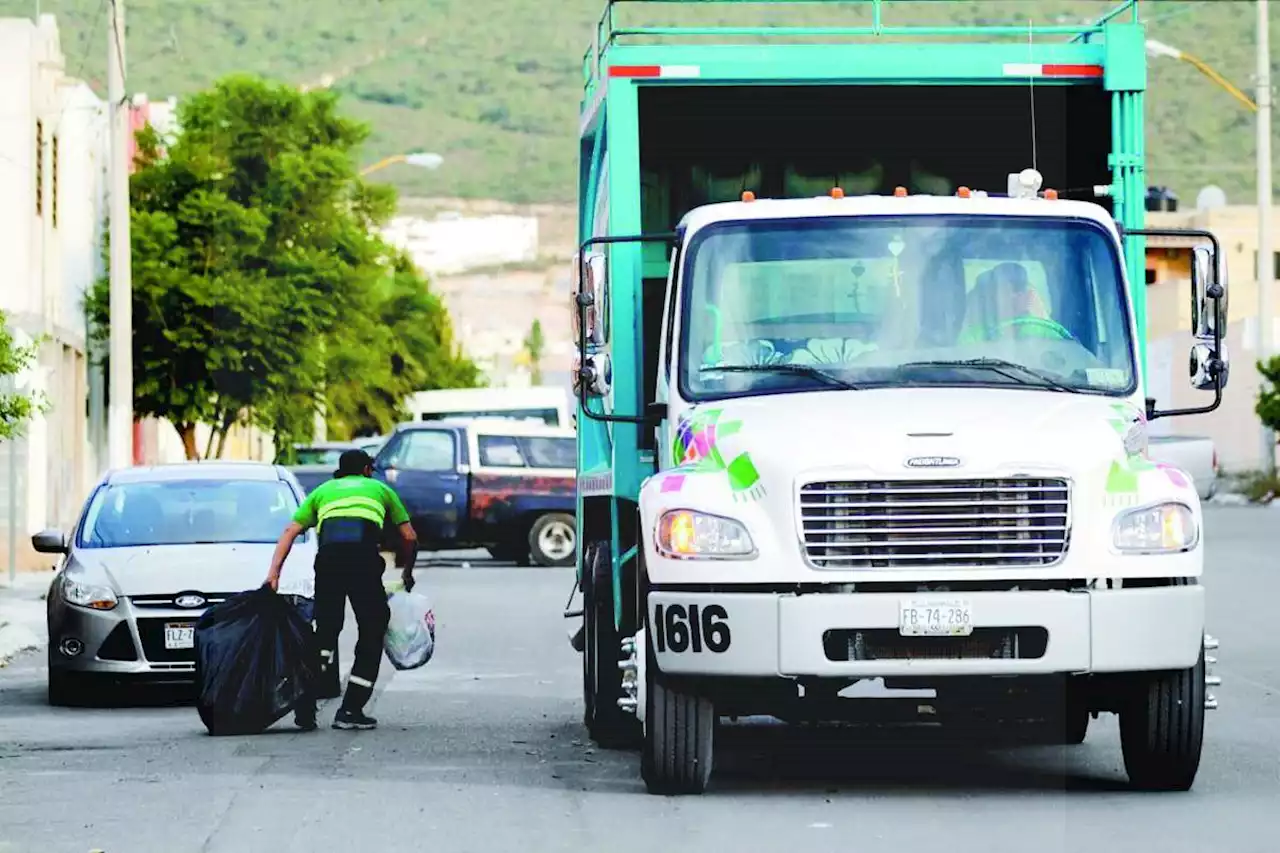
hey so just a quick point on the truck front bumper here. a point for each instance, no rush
(857, 635)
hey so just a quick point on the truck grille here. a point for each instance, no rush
(1016, 521)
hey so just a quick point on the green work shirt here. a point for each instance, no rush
(351, 497)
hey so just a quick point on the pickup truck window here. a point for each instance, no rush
(425, 450)
(883, 301)
(505, 451)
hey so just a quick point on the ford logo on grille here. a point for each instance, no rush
(932, 462)
(190, 600)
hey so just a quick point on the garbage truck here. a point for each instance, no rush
(860, 323)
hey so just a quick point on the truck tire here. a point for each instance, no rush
(552, 540)
(1075, 725)
(679, 736)
(1162, 728)
(609, 726)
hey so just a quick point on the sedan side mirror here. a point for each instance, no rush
(50, 542)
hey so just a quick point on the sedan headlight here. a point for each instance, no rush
(88, 595)
(1154, 529)
(689, 534)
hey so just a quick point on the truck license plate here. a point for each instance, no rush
(179, 636)
(935, 617)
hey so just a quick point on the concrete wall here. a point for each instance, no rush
(52, 138)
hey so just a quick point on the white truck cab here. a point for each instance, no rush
(905, 438)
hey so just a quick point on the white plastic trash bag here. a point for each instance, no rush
(411, 634)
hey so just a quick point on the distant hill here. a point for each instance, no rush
(494, 85)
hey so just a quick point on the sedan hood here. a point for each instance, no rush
(168, 569)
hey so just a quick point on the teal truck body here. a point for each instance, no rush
(678, 122)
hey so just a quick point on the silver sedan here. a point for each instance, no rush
(152, 550)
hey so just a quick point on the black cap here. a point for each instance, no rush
(352, 462)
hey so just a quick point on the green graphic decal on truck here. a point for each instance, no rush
(697, 449)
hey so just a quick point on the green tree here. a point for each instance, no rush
(1268, 405)
(16, 408)
(256, 265)
(413, 349)
(534, 347)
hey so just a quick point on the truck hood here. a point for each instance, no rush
(877, 431)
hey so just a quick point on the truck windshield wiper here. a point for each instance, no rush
(801, 369)
(1019, 373)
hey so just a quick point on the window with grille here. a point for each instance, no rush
(39, 168)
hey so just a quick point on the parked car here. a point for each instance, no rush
(153, 548)
(507, 486)
(314, 464)
(1196, 455)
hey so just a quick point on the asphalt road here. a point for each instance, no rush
(482, 750)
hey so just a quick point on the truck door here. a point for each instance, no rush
(425, 467)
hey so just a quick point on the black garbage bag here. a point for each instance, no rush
(255, 658)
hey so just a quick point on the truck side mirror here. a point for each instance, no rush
(590, 298)
(1208, 294)
(1208, 367)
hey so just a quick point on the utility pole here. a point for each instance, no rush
(120, 410)
(1266, 261)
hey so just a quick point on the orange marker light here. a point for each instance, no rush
(1051, 194)
(748, 195)
(900, 192)
(836, 192)
(963, 192)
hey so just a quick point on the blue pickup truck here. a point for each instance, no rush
(504, 485)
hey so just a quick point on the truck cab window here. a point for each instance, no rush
(425, 450)
(500, 451)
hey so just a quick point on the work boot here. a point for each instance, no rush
(348, 719)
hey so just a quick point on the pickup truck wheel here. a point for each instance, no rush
(609, 726)
(679, 736)
(1162, 728)
(553, 540)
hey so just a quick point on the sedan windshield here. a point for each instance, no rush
(187, 512)
(893, 301)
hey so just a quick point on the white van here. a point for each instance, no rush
(547, 404)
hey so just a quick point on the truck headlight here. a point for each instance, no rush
(688, 534)
(88, 595)
(1154, 529)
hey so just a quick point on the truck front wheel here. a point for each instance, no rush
(1162, 728)
(679, 736)
(609, 725)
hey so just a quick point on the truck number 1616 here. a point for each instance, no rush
(679, 629)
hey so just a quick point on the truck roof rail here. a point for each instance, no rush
(609, 32)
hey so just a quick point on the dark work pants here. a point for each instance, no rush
(349, 571)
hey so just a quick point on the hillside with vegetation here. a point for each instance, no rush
(494, 85)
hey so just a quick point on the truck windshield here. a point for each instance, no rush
(894, 301)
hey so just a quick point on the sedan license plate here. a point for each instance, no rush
(935, 617)
(178, 635)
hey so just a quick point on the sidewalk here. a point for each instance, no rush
(22, 613)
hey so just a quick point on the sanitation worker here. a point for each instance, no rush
(349, 512)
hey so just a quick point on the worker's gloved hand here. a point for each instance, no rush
(407, 577)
